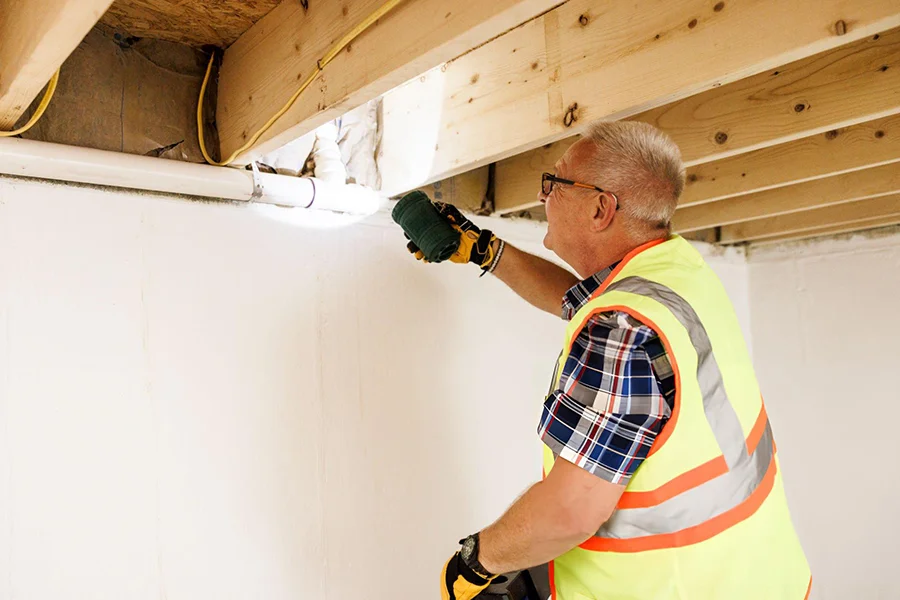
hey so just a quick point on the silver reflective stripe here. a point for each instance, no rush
(720, 413)
(745, 471)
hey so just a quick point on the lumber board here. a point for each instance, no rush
(466, 191)
(36, 37)
(799, 222)
(838, 88)
(218, 23)
(582, 61)
(266, 65)
(836, 151)
(710, 236)
(844, 228)
(847, 187)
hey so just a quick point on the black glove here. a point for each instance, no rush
(476, 245)
(459, 582)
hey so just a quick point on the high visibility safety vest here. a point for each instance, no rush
(705, 515)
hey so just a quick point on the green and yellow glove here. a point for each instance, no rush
(476, 244)
(460, 582)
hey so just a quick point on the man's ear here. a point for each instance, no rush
(604, 210)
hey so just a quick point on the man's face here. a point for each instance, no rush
(568, 208)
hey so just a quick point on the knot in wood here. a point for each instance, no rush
(721, 137)
(571, 115)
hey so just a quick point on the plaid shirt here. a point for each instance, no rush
(615, 393)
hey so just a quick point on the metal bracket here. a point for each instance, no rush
(257, 183)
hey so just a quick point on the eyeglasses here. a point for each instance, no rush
(548, 180)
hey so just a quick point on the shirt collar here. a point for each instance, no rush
(579, 294)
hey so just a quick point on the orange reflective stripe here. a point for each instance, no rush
(606, 282)
(552, 580)
(759, 428)
(695, 534)
(684, 482)
(808, 589)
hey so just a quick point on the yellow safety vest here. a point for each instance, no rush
(704, 517)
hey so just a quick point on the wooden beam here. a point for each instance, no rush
(581, 61)
(837, 88)
(466, 191)
(518, 178)
(836, 151)
(856, 227)
(857, 185)
(799, 222)
(266, 65)
(710, 236)
(36, 37)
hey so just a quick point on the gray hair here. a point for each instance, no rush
(642, 166)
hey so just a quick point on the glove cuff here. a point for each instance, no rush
(497, 256)
(483, 250)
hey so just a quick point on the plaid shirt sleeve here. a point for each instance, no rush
(609, 405)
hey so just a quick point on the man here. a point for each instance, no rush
(660, 474)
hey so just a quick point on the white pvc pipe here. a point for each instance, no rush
(43, 160)
(327, 155)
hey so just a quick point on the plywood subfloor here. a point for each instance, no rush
(192, 22)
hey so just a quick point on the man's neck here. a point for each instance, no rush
(597, 259)
(605, 255)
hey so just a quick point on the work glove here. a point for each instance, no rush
(459, 581)
(476, 244)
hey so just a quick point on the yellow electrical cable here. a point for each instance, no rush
(45, 102)
(320, 66)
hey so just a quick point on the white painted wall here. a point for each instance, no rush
(826, 329)
(197, 401)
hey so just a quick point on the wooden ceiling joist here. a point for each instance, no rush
(847, 187)
(835, 89)
(266, 65)
(843, 228)
(836, 151)
(583, 61)
(849, 213)
(35, 38)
